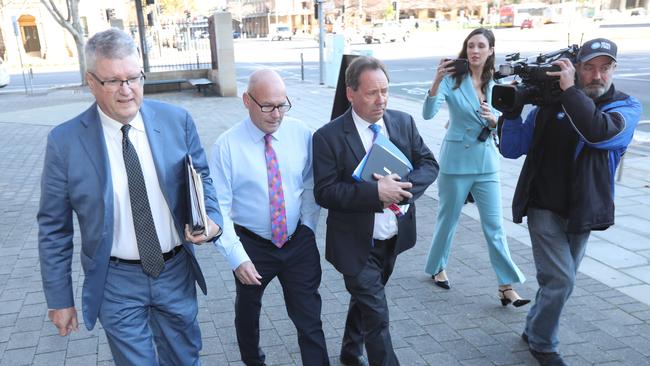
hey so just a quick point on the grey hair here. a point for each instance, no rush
(110, 44)
(358, 66)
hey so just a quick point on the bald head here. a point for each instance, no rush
(264, 79)
(265, 89)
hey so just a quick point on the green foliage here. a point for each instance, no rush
(176, 7)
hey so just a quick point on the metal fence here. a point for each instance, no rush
(178, 46)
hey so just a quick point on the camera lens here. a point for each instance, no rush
(506, 70)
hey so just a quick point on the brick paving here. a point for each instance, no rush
(464, 326)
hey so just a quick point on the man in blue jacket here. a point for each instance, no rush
(566, 186)
(119, 167)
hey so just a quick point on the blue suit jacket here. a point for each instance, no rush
(461, 152)
(77, 178)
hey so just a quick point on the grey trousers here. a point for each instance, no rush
(557, 255)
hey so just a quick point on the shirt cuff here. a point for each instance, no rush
(237, 256)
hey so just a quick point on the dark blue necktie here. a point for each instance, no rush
(151, 255)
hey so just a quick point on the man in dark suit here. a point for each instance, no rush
(364, 237)
(119, 166)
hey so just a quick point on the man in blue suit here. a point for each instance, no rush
(120, 167)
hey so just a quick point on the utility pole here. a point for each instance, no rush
(143, 35)
(321, 41)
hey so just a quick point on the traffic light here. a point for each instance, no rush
(315, 10)
(150, 19)
(151, 2)
(394, 5)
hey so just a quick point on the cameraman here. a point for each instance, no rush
(566, 186)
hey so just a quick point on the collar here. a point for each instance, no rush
(362, 125)
(256, 134)
(113, 128)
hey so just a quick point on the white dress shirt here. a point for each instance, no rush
(385, 222)
(238, 169)
(125, 245)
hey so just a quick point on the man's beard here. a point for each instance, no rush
(595, 90)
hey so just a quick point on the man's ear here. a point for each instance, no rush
(92, 83)
(246, 99)
(348, 93)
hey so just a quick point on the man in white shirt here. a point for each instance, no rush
(262, 169)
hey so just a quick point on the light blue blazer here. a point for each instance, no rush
(461, 152)
(77, 178)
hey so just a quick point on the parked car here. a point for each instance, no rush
(527, 23)
(386, 32)
(637, 12)
(281, 32)
(4, 75)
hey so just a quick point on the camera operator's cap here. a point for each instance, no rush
(597, 47)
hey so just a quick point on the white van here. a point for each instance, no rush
(281, 32)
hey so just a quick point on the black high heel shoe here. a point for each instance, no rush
(444, 284)
(505, 300)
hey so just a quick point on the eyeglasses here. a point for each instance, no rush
(114, 85)
(282, 108)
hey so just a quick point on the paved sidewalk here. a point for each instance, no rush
(606, 322)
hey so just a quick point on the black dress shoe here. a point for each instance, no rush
(444, 284)
(505, 300)
(547, 358)
(348, 360)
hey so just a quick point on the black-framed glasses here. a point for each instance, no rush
(115, 84)
(282, 108)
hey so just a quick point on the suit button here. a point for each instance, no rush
(468, 129)
(467, 146)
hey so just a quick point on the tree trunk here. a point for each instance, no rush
(72, 24)
(80, 43)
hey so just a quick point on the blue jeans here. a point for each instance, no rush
(557, 255)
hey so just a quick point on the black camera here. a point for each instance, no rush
(535, 87)
(485, 133)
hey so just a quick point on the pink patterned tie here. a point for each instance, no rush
(276, 195)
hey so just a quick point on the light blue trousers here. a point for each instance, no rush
(151, 322)
(557, 256)
(486, 189)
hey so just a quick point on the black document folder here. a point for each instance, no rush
(382, 161)
(196, 215)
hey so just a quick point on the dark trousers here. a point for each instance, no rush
(367, 320)
(297, 266)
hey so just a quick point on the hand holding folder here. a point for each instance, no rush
(197, 218)
(384, 158)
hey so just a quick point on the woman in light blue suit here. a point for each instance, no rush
(469, 161)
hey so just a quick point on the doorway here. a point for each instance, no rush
(29, 33)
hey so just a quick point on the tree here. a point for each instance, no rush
(176, 7)
(70, 21)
